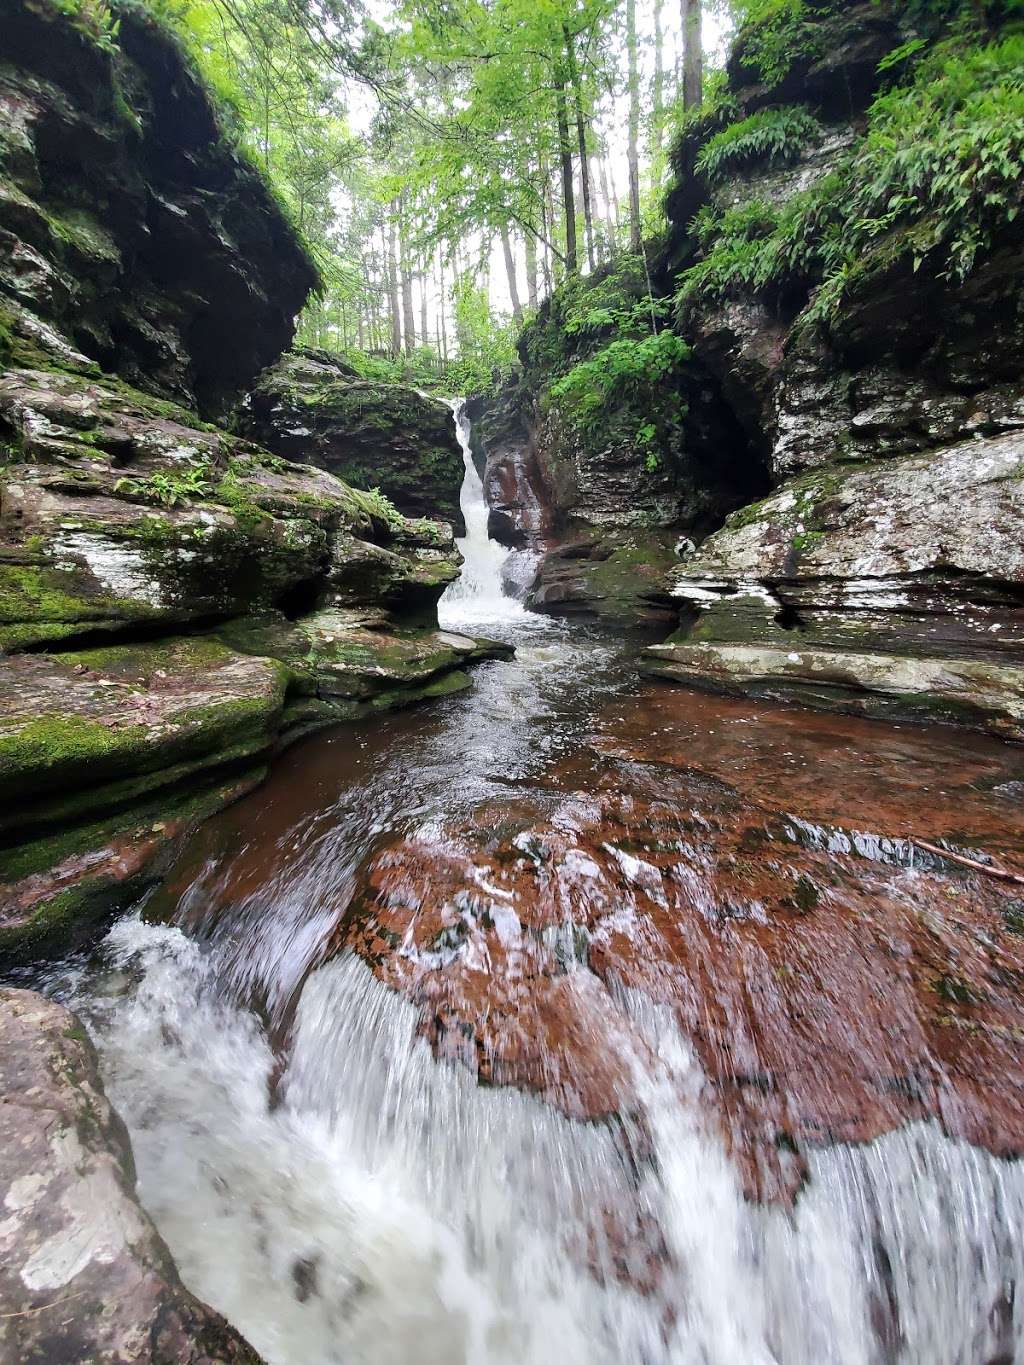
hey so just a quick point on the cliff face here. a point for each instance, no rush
(175, 601)
(885, 397)
(844, 260)
(132, 233)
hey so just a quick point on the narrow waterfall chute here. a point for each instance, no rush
(479, 597)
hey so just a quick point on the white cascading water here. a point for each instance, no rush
(386, 1210)
(479, 597)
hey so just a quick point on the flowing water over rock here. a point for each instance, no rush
(575, 1021)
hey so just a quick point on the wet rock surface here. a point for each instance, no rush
(855, 587)
(84, 1274)
(311, 406)
(776, 881)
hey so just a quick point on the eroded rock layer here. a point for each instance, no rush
(132, 233)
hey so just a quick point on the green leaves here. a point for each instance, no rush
(626, 371)
(771, 136)
(935, 178)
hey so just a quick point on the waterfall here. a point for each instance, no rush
(480, 597)
(388, 1209)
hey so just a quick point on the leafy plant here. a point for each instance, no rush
(774, 34)
(626, 372)
(770, 135)
(936, 176)
(94, 19)
(171, 489)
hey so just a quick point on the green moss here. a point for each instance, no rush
(141, 662)
(49, 749)
(805, 541)
(40, 593)
(72, 915)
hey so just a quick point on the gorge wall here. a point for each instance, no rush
(854, 353)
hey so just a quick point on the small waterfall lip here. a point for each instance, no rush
(389, 1209)
(481, 597)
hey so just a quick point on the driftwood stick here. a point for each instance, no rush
(1003, 874)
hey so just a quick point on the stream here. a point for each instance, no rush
(478, 1033)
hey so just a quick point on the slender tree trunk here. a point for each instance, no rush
(547, 213)
(635, 229)
(572, 263)
(611, 204)
(581, 138)
(532, 289)
(424, 332)
(658, 116)
(408, 310)
(510, 271)
(396, 307)
(442, 307)
(693, 54)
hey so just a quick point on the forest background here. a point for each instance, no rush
(450, 162)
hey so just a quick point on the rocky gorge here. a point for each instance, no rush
(810, 461)
(578, 1013)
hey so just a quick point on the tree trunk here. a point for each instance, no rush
(635, 229)
(396, 307)
(408, 309)
(581, 138)
(441, 312)
(693, 54)
(424, 332)
(611, 204)
(510, 271)
(572, 263)
(532, 290)
(658, 116)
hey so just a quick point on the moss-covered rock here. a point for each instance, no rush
(624, 578)
(84, 722)
(310, 407)
(119, 510)
(133, 233)
(355, 661)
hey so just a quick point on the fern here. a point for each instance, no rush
(936, 177)
(771, 135)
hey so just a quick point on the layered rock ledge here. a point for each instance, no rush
(879, 587)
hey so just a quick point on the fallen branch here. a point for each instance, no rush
(1003, 874)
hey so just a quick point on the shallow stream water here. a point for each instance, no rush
(337, 1181)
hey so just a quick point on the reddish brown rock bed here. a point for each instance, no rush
(755, 873)
(770, 881)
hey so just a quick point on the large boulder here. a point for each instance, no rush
(84, 1275)
(888, 586)
(132, 233)
(312, 407)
